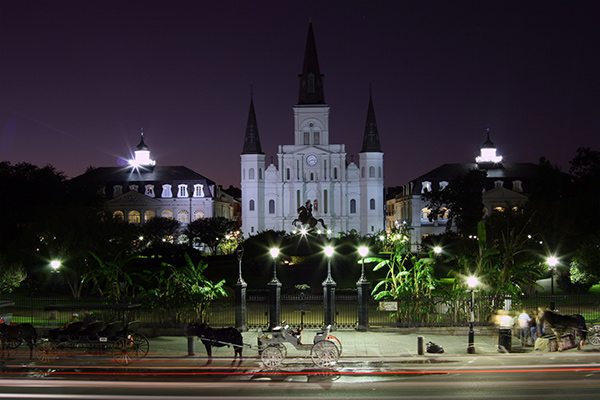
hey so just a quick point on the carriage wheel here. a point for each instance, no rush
(594, 339)
(141, 345)
(123, 351)
(272, 356)
(46, 351)
(336, 341)
(325, 354)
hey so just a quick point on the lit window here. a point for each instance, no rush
(425, 214)
(166, 191)
(517, 186)
(271, 206)
(198, 190)
(198, 214)
(118, 216)
(372, 204)
(133, 188)
(251, 174)
(371, 172)
(148, 215)
(444, 213)
(251, 205)
(425, 186)
(117, 190)
(443, 185)
(499, 209)
(183, 216)
(134, 217)
(166, 214)
(182, 190)
(353, 206)
(149, 190)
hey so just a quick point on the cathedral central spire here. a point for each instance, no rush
(311, 79)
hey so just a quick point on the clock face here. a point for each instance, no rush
(311, 160)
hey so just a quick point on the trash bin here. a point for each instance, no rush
(505, 339)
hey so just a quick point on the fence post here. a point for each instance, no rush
(274, 303)
(240, 306)
(362, 287)
(190, 345)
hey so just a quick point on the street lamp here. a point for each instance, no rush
(274, 251)
(363, 251)
(240, 255)
(55, 265)
(328, 250)
(472, 283)
(552, 262)
(437, 250)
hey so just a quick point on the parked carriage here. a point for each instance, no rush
(325, 349)
(116, 337)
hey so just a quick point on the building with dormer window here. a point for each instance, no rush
(346, 195)
(143, 190)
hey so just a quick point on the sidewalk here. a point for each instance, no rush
(372, 344)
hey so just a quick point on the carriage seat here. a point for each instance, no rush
(92, 329)
(111, 329)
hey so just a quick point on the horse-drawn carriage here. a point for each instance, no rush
(325, 349)
(115, 336)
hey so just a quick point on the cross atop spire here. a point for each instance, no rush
(251, 139)
(371, 136)
(141, 145)
(311, 79)
(488, 144)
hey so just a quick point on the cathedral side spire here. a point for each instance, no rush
(252, 139)
(371, 136)
(311, 79)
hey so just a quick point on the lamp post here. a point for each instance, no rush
(274, 293)
(437, 250)
(552, 262)
(472, 283)
(362, 288)
(329, 289)
(240, 294)
(55, 265)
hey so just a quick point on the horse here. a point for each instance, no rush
(16, 333)
(560, 323)
(218, 337)
(305, 218)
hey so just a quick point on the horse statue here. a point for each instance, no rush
(560, 324)
(305, 218)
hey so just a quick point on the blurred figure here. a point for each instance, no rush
(523, 320)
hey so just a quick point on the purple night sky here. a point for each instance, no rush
(79, 78)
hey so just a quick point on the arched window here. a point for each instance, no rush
(182, 190)
(251, 173)
(371, 172)
(183, 216)
(260, 173)
(117, 190)
(148, 215)
(149, 190)
(362, 172)
(325, 201)
(372, 204)
(287, 174)
(198, 214)
(379, 171)
(198, 190)
(251, 205)
(353, 206)
(166, 214)
(134, 217)
(271, 206)
(118, 216)
(335, 173)
(166, 191)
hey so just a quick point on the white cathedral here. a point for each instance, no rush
(312, 171)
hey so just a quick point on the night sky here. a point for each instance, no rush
(78, 79)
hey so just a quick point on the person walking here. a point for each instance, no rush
(524, 321)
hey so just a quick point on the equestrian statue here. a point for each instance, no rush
(306, 219)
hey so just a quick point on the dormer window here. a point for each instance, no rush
(498, 184)
(443, 185)
(198, 190)
(425, 186)
(117, 190)
(182, 190)
(166, 191)
(517, 186)
(133, 188)
(149, 190)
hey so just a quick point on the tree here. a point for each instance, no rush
(11, 276)
(461, 199)
(111, 278)
(188, 287)
(211, 231)
(160, 229)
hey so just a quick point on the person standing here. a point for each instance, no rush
(524, 321)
